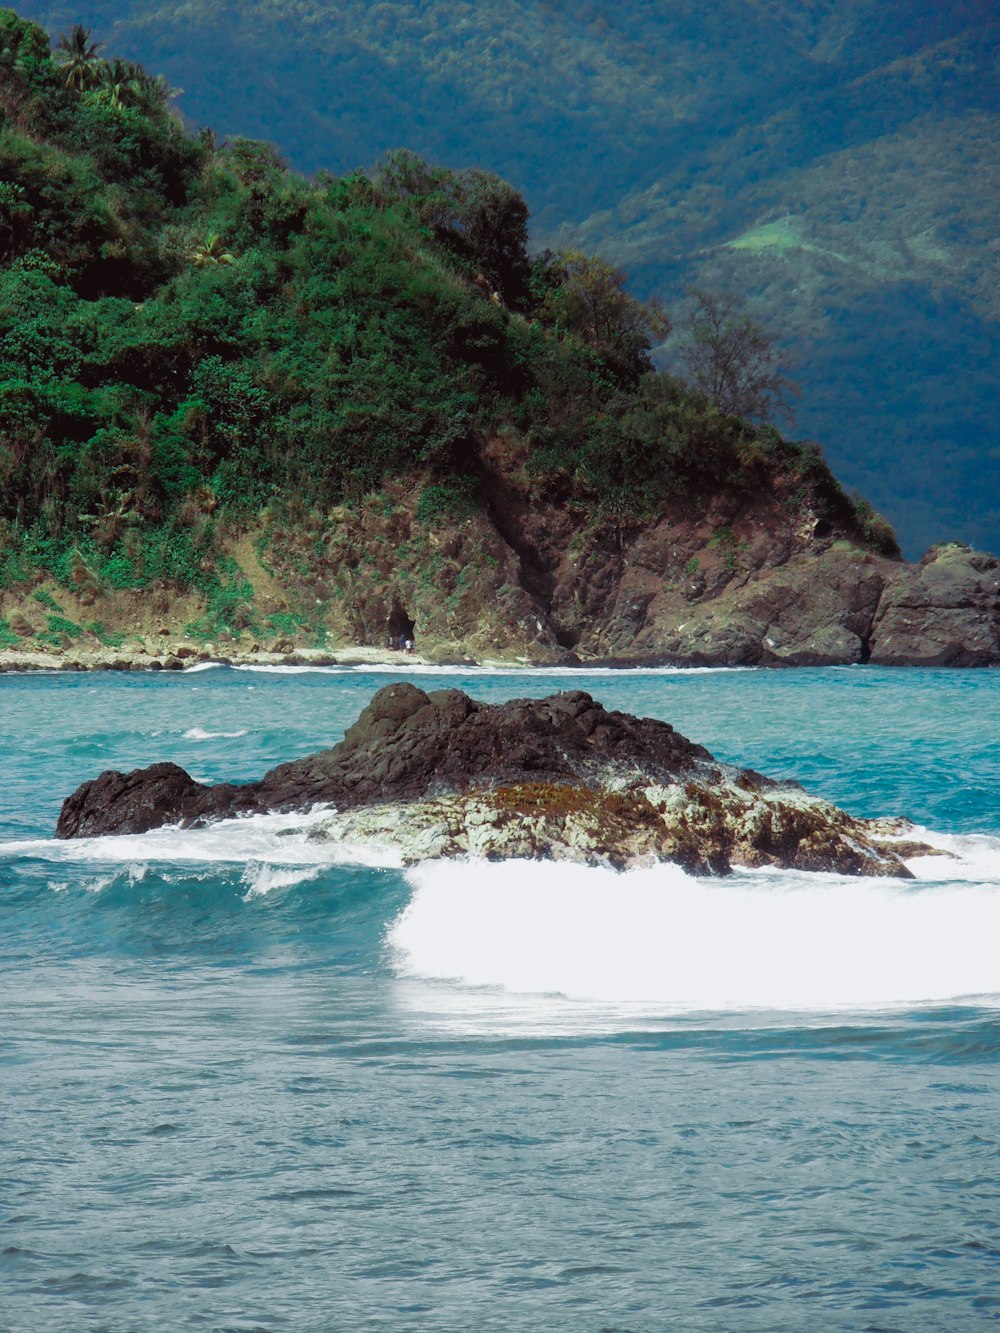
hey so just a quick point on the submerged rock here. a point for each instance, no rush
(439, 774)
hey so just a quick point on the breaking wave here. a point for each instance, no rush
(199, 734)
(276, 839)
(654, 939)
(756, 941)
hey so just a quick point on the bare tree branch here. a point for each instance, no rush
(734, 361)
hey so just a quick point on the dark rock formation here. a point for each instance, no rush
(440, 774)
(945, 611)
(136, 802)
(406, 744)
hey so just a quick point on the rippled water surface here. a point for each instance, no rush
(250, 1081)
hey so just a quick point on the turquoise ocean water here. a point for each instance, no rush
(252, 1082)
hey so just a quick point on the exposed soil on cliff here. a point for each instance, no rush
(775, 575)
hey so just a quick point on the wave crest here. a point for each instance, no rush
(770, 941)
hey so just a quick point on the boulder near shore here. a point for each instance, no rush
(439, 774)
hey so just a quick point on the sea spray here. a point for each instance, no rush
(262, 879)
(200, 734)
(967, 857)
(657, 936)
(281, 839)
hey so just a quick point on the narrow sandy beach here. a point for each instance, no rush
(180, 657)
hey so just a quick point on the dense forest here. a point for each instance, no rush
(830, 161)
(193, 337)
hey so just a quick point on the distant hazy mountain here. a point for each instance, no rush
(836, 161)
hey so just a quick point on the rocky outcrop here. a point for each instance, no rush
(943, 612)
(834, 605)
(439, 774)
(135, 802)
(772, 575)
(707, 827)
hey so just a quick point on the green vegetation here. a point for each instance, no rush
(728, 547)
(58, 631)
(877, 531)
(110, 638)
(190, 333)
(659, 135)
(443, 503)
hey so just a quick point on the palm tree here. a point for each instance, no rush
(118, 80)
(153, 93)
(211, 250)
(78, 56)
(118, 514)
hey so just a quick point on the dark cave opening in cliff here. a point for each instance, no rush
(401, 625)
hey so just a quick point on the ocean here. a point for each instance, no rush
(251, 1081)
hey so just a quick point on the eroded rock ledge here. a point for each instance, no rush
(439, 774)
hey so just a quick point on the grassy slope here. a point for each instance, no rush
(834, 160)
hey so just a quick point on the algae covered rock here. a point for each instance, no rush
(440, 774)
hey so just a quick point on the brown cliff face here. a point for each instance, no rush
(774, 575)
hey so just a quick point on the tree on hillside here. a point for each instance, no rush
(476, 214)
(118, 80)
(21, 43)
(211, 250)
(153, 93)
(733, 360)
(77, 55)
(493, 218)
(258, 165)
(589, 298)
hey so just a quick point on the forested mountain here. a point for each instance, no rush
(196, 343)
(835, 161)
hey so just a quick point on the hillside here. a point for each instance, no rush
(835, 162)
(242, 407)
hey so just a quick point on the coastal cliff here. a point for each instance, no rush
(774, 575)
(440, 775)
(749, 581)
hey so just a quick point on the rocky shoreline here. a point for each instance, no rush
(439, 774)
(832, 606)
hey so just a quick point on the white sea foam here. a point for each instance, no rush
(654, 940)
(277, 840)
(199, 734)
(406, 668)
(261, 879)
(658, 938)
(969, 857)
